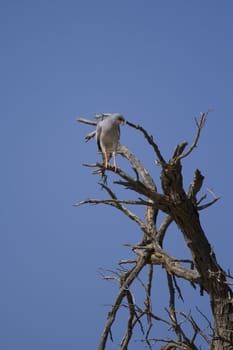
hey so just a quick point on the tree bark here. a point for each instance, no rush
(222, 308)
(213, 279)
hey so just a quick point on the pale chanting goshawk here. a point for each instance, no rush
(108, 137)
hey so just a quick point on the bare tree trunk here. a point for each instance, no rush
(222, 308)
(213, 278)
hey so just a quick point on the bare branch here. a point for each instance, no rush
(112, 314)
(117, 204)
(149, 286)
(171, 345)
(215, 199)
(108, 189)
(205, 317)
(179, 150)
(90, 136)
(148, 303)
(200, 124)
(138, 167)
(177, 288)
(89, 122)
(128, 261)
(172, 266)
(196, 184)
(172, 309)
(163, 228)
(204, 206)
(144, 188)
(111, 202)
(196, 328)
(149, 140)
(86, 121)
(129, 330)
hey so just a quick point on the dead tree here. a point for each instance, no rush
(202, 270)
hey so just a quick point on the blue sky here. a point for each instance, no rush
(160, 63)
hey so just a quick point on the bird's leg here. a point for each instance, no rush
(114, 161)
(106, 159)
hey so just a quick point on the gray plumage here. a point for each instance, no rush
(108, 136)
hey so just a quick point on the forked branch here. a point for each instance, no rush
(200, 124)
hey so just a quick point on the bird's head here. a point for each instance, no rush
(119, 118)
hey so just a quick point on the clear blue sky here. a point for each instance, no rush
(159, 63)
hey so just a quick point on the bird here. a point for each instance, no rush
(108, 137)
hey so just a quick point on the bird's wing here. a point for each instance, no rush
(98, 133)
(118, 132)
